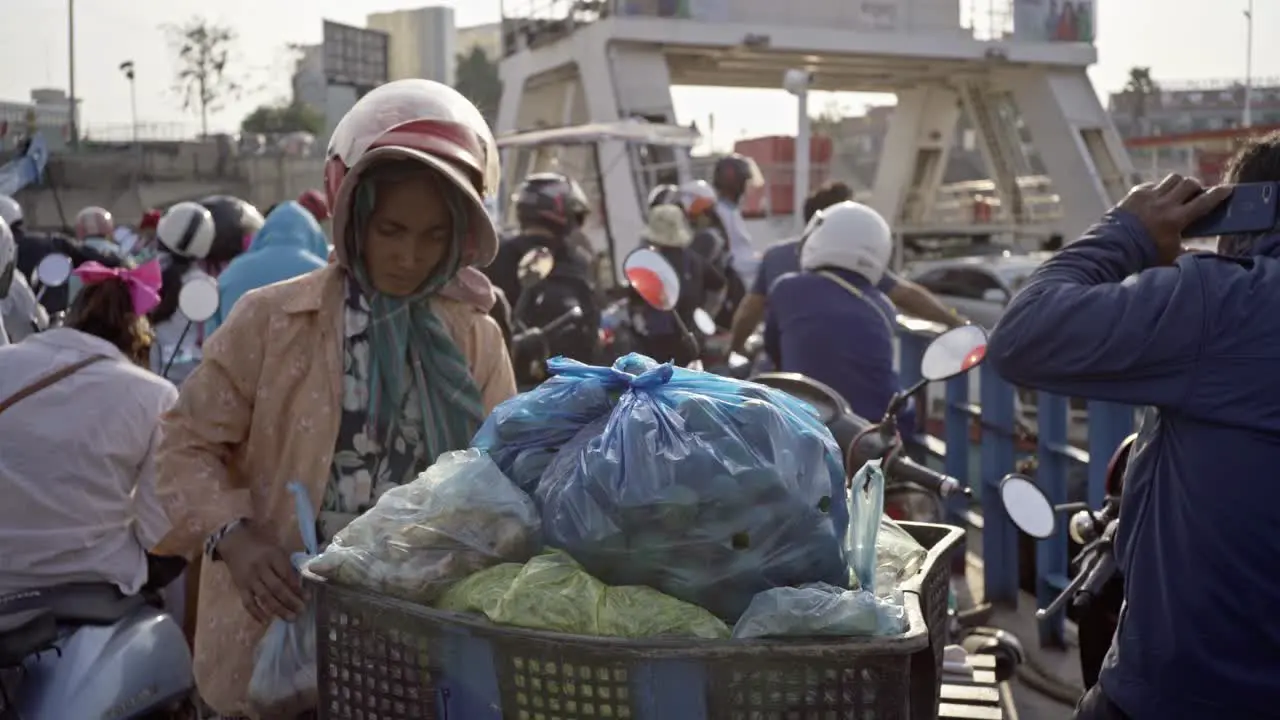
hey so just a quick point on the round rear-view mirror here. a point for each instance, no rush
(54, 270)
(953, 353)
(535, 266)
(653, 278)
(198, 298)
(702, 320)
(1027, 506)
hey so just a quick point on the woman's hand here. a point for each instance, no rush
(269, 585)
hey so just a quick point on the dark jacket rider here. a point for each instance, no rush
(1196, 339)
(550, 207)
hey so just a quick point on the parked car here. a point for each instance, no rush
(977, 287)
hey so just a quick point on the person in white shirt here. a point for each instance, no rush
(79, 424)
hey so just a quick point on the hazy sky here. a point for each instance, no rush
(1179, 39)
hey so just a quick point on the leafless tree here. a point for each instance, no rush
(204, 51)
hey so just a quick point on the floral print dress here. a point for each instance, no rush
(365, 465)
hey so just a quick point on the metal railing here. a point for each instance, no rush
(531, 23)
(996, 422)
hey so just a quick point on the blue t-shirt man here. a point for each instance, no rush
(830, 321)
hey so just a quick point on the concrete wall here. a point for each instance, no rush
(127, 182)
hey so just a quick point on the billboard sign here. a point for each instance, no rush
(1054, 20)
(354, 56)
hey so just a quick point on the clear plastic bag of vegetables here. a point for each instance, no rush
(460, 516)
(706, 488)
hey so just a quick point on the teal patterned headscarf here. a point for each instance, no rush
(415, 360)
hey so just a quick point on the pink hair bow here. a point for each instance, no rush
(143, 281)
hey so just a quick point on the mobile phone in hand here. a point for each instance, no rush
(1251, 208)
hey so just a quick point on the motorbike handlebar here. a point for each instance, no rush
(904, 468)
(536, 335)
(1102, 570)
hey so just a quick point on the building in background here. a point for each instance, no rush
(47, 113)
(332, 76)
(1193, 107)
(423, 43)
(487, 37)
(310, 87)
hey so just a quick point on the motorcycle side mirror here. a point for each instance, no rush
(702, 320)
(535, 266)
(198, 298)
(953, 353)
(653, 278)
(1027, 506)
(54, 270)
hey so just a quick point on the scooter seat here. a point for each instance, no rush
(76, 603)
(25, 633)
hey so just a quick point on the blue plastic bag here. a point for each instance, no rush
(524, 433)
(866, 506)
(707, 488)
(285, 681)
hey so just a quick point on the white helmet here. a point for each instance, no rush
(187, 229)
(8, 258)
(10, 211)
(850, 236)
(429, 123)
(697, 197)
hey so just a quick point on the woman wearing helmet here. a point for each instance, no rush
(351, 379)
(657, 334)
(829, 321)
(185, 234)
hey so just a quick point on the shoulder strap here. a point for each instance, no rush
(888, 321)
(48, 380)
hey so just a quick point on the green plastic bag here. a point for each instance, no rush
(553, 593)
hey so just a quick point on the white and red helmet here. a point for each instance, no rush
(427, 122)
(94, 222)
(697, 197)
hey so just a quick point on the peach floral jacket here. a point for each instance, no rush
(262, 409)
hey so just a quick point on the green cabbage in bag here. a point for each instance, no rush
(552, 592)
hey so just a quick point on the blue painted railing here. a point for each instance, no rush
(996, 415)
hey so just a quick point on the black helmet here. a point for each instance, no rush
(552, 201)
(733, 174)
(234, 221)
(664, 195)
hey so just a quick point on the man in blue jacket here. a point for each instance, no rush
(1196, 338)
(289, 244)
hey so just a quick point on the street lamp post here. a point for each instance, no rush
(74, 131)
(797, 83)
(1248, 66)
(126, 67)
